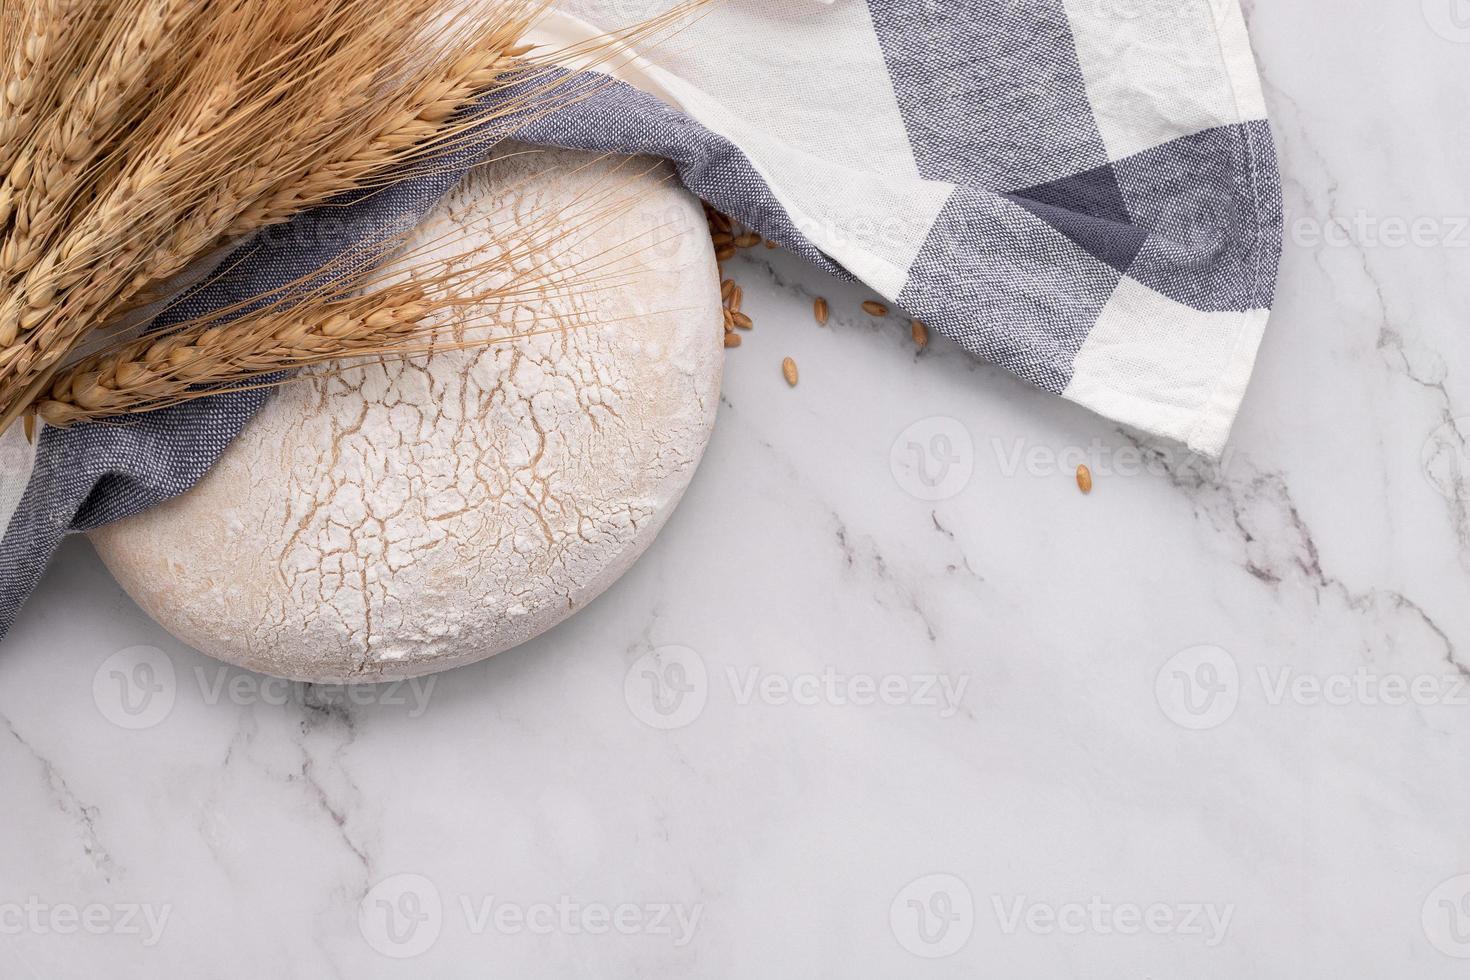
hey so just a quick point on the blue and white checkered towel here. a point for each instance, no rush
(1082, 191)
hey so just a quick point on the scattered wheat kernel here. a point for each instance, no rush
(737, 296)
(819, 310)
(788, 370)
(771, 244)
(874, 309)
(732, 340)
(921, 334)
(1084, 478)
(748, 239)
(726, 288)
(722, 238)
(729, 321)
(741, 320)
(728, 252)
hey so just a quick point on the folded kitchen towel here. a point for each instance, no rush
(1082, 191)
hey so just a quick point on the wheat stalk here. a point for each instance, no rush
(344, 96)
(411, 306)
(49, 171)
(155, 372)
(52, 335)
(396, 138)
(35, 34)
(161, 129)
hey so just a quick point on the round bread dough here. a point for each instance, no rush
(405, 517)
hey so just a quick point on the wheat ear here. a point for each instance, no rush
(36, 35)
(293, 156)
(153, 372)
(51, 169)
(398, 137)
(329, 95)
(34, 307)
(414, 306)
(148, 242)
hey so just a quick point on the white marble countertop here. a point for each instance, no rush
(1207, 722)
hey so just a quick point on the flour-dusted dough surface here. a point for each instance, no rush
(403, 518)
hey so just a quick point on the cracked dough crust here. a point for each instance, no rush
(396, 519)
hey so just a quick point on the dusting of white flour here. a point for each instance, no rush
(411, 516)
